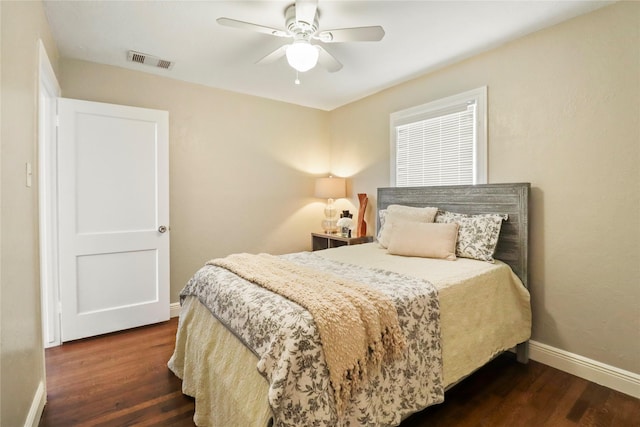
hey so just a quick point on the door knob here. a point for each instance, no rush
(162, 229)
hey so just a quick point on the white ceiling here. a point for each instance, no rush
(420, 36)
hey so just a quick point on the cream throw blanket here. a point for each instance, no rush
(358, 326)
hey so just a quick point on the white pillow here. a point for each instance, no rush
(411, 213)
(424, 239)
(395, 213)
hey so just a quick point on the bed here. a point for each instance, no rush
(483, 309)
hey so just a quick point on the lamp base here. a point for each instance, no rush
(330, 226)
(330, 221)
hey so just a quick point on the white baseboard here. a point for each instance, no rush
(609, 376)
(37, 406)
(174, 309)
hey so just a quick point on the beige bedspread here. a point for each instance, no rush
(484, 311)
(207, 354)
(484, 308)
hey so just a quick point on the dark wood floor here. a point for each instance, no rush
(122, 379)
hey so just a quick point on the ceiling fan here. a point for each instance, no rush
(301, 25)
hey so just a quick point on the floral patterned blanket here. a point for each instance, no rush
(285, 339)
(358, 325)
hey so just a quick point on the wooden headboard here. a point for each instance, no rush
(512, 199)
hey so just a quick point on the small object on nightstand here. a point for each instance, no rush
(361, 228)
(345, 223)
(321, 241)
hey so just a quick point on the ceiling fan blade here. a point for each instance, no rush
(306, 10)
(233, 23)
(274, 56)
(359, 34)
(328, 61)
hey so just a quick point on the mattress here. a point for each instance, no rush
(484, 310)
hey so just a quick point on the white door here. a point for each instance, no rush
(113, 165)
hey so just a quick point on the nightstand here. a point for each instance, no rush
(321, 241)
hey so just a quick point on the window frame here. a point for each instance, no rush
(440, 107)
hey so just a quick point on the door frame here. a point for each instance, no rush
(48, 92)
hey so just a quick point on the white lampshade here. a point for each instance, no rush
(330, 188)
(302, 55)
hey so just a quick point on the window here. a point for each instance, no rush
(443, 142)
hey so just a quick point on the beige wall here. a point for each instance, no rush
(21, 354)
(564, 111)
(241, 167)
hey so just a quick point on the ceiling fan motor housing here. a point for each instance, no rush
(300, 29)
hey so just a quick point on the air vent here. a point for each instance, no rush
(146, 59)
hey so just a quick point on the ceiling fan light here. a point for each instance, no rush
(302, 55)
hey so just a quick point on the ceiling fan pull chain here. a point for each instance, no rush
(297, 80)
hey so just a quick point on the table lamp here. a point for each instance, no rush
(330, 188)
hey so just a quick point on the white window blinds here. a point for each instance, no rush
(436, 151)
(439, 143)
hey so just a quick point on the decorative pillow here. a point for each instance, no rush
(424, 239)
(477, 235)
(383, 217)
(396, 213)
(411, 213)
